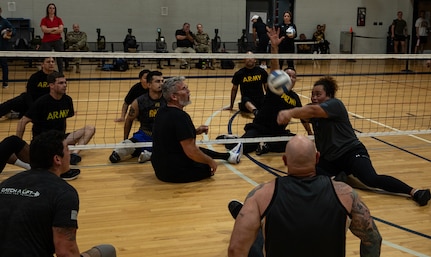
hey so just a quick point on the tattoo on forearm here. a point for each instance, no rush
(69, 233)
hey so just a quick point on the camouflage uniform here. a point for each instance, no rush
(203, 43)
(75, 41)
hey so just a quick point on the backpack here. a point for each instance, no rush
(120, 64)
(130, 42)
(227, 64)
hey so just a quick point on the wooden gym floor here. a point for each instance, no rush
(125, 205)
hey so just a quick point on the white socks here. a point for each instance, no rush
(22, 164)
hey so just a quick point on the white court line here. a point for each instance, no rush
(254, 183)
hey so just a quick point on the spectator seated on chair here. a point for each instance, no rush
(203, 45)
(185, 43)
(303, 48)
(319, 36)
(76, 40)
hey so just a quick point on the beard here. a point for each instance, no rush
(185, 102)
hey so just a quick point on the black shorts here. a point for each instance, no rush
(399, 38)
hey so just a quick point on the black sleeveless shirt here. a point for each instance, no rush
(305, 218)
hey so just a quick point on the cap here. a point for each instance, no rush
(255, 17)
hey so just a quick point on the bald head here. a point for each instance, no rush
(301, 156)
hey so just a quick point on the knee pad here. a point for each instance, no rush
(125, 153)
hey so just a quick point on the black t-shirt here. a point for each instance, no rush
(266, 119)
(185, 42)
(148, 109)
(288, 44)
(32, 203)
(171, 126)
(134, 92)
(251, 82)
(48, 113)
(37, 85)
(261, 32)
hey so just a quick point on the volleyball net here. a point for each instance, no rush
(385, 95)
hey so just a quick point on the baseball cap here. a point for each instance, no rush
(255, 17)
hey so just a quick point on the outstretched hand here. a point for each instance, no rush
(274, 36)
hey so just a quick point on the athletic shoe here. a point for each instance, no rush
(71, 174)
(144, 156)
(5, 85)
(422, 197)
(234, 207)
(114, 157)
(262, 148)
(263, 66)
(74, 158)
(235, 154)
(227, 136)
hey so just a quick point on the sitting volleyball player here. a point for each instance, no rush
(144, 108)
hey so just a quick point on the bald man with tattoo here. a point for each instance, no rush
(301, 214)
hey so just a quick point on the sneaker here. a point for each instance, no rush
(184, 66)
(228, 146)
(227, 136)
(114, 158)
(422, 197)
(5, 85)
(234, 207)
(262, 148)
(263, 66)
(74, 158)
(144, 156)
(235, 154)
(71, 174)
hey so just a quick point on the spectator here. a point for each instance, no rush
(144, 108)
(303, 48)
(7, 32)
(399, 33)
(319, 36)
(52, 27)
(76, 40)
(39, 211)
(37, 86)
(176, 157)
(203, 45)
(185, 41)
(303, 214)
(251, 81)
(422, 25)
(50, 112)
(136, 90)
(260, 37)
(340, 149)
(289, 32)
(14, 150)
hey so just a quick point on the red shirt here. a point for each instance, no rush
(56, 22)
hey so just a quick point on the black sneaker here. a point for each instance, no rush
(114, 157)
(74, 158)
(234, 207)
(5, 85)
(228, 136)
(71, 174)
(262, 148)
(422, 197)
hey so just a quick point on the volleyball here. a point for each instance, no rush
(6, 33)
(279, 82)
